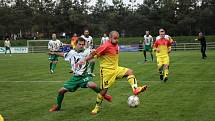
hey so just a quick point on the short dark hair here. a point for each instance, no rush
(80, 39)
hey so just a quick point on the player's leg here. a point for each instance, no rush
(95, 88)
(59, 100)
(160, 67)
(10, 51)
(204, 49)
(151, 55)
(125, 72)
(5, 51)
(144, 52)
(166, 68)
(54, 63)
(72, 85)
(107, 79)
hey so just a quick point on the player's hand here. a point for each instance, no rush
(169, 50)
(79, 63)
(50, 53)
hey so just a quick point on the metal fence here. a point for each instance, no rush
(193, 46)
(133, 48)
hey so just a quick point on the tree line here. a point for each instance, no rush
(178, 17)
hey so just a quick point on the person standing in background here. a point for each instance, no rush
(202, 40)
(7, 45)
(104, 39)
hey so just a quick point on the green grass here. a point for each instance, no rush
(27, 90)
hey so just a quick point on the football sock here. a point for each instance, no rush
(99, 99)
(160, 69)
(144, 52)
(96, 89)
(132, 81)
(152, 56)
(166, 72)
(53, 66)
(60, 99)
(50, 66)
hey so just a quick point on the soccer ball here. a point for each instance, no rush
(133, 101)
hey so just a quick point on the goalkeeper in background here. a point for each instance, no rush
(81, 74)
(54, 46)
(162, 47)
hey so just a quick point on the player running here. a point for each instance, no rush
(81, 76)
(108, 54)
(163, 47)
(54, 46)
(148, 43)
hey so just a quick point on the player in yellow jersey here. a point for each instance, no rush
(108, 55)
(162, 47)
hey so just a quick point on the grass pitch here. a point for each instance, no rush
(28, 90)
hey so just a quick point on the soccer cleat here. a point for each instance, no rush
(51, 71)
(139, 89)
(54, 108)
(95, 110)
(165, 79)
(108, 97)
(161, 77)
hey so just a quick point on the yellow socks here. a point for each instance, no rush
(132, 81)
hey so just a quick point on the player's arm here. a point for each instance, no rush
(99, 51)
(152, 42)
(169, 46)
(61, 54)
(90, 56)
(50, 46)
(156, 48)
(91, 42)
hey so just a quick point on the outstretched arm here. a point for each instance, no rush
(56, 53)
(89, 57)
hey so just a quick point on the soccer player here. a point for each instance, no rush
(202, 40)
(73, 40)
(89, 45)
(148, 43)
(104, 39)
(162, 47)
(81, 76)
(108, 55)
(7, 45)
(54, 46)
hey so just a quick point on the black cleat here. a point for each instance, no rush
(161, 77)
(165, 79)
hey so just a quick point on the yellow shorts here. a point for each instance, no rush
(162, 60)
(108, 76)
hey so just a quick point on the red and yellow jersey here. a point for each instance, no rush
(164, 45)
(73, 41)
(108, 55)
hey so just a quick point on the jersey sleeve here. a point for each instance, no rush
(49, 45)
(68, 56)
(101, 49)
(156, 44)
